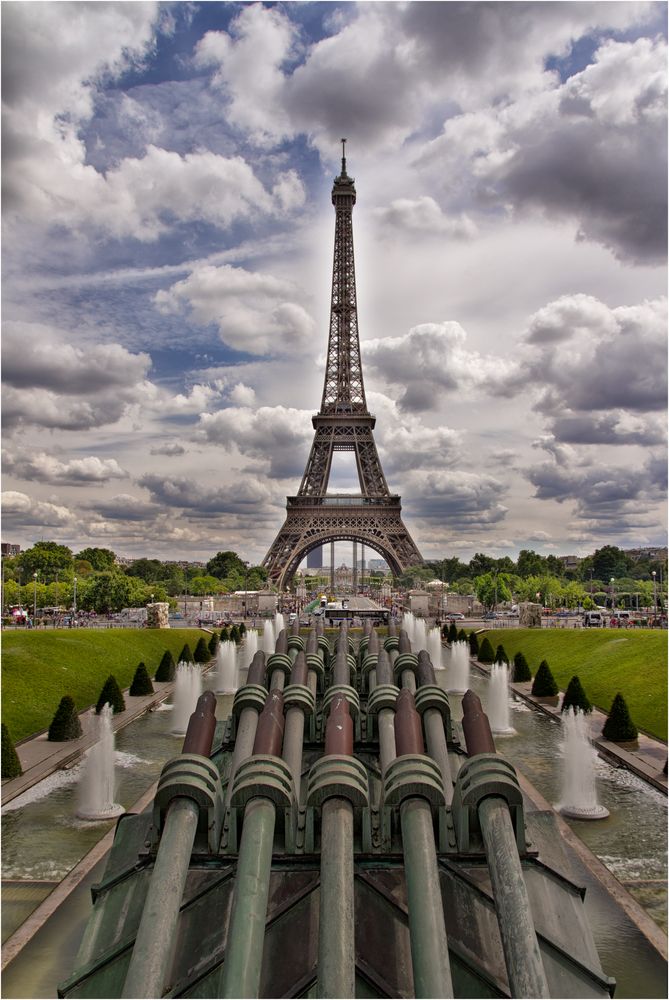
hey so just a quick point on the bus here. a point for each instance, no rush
(377, 616)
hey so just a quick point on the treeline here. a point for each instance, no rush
(48, 574)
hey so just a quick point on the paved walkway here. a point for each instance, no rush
(39, 757)
(647, 761)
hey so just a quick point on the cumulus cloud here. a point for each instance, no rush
(254, 312)
(124, 507)
(247, 496)
(278, 436)
(432, 359)
(172, 449)
(43, 468)
(423, 216)
(20, 510)
(461, 501)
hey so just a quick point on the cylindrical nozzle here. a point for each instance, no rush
(295, 627)
(298, 674)
(475, 726)
(404, 644)
(408, 729)
(269, 734)
(384, 670)
(392, 628)
(339, 728)
(373, 644)
(342, 638)
(312, 643)
(367, 627)
(425, 672)
(201, 726)
(281, 642)
(341, 673)
(256, 674)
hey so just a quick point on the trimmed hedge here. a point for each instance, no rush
(213, 644)
(619, 727)
(544, 685)
(575, 697)
(521, 668)
(111, 693)
(462, 636)
(473, 644)
(166, 668)
(65, 724)
(486, 653)
(234, 635)
(224, 634)
(202, 654)
(500, 655)
(11, 765)
(452, 632)
(185, 656)
(141, 682)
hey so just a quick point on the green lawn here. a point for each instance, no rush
(39, 667)
(606, 661)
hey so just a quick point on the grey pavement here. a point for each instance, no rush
(647, 761)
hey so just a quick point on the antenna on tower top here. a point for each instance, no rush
(343, 156)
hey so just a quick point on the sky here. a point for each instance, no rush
(167, 259)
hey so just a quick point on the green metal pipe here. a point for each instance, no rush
(242, 967)
(427, 929)
(292, 745)
(387, 750)
(527, 976)
(154, 944)
(409, 680)
(277, 680)
(437, 748)
(336, 933)
(246, 734)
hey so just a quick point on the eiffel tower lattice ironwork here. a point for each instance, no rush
(343, 423)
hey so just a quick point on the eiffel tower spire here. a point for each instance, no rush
(343, 423)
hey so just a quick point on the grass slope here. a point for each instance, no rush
(606, 661)
(38, 668)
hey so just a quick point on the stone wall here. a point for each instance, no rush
(157, 615)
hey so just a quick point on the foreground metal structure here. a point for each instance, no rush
(339, 835)
(343, 423)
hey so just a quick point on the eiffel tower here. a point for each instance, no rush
(343, 423)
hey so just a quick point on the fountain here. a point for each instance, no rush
(187, 690)
(249, 648)
(419, 640)
(434, 648)
(96, 790)
(409, 626)
(579, 792)
(498, 700)
(458, 672)
(225, 681)
(279, 623)
(268, 638)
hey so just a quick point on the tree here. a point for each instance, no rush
(521, 669)
(166, 668)
(141, 682)
(500, 654)
(609, 561)
(107, 592)
(234, 634)
(112, 694)
(473, 644)
(544, 685)
(148, 570)
(213, 644)
(11, 765)
(486, 653)
(529, 563)
(224, 634)
(45, 558)
(575, 697)
(452, 632)
(619, 727)
(480, 564)
(201, 585)
(100, 559)
(185, 656)
(462, 636)
(224, 563)
(202, 654)
(492, 589)
(65, 724)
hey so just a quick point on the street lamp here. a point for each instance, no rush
(613, 594)
(35, 596)
(74, 597)
(654, 594)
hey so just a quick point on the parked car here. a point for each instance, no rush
(593, 619)
(454, 616)
(489, 615)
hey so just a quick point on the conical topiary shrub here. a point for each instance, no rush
(141, 682)
(234, 634)
(619, 727)
(500, 655)
(575, 697)
(452, 633)
(65, 724)
(544, 685)
(213, 644)
(202, 654)
(224, 634)
(521, 669)
(111, 693)
(166, 668)
(485, 653)
(473, 644)
(462, 635)
(185, 656)
(242, 628)
(11, 765)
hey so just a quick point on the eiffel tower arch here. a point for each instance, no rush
(343, 423)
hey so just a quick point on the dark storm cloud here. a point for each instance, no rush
(458, 500)
(606, 428)
(125, 507)
(247, 496)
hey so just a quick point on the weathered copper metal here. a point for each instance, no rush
(425, 673)
(339, 728)
(408, 729)
(281, 645)
(384, 670)
(405, 645)
(342, 670)
(269, 734)
(299, 672)
(256, 674)
(201, 726)
(475, 726)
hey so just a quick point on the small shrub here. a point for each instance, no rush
(544, 685)
(65, 724)
(242, 628)
(166, 668)
(521, 669)
(185, 656)
(473, 644)
(452, 633)
(213, 644)
(111, 693)
(575, 697)
(11, 765)
(500, 655)
(619, 726)
(486, 654)
(462, 635)
(141, 682)
(234, 634)
(224, 634)
(202, 654)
